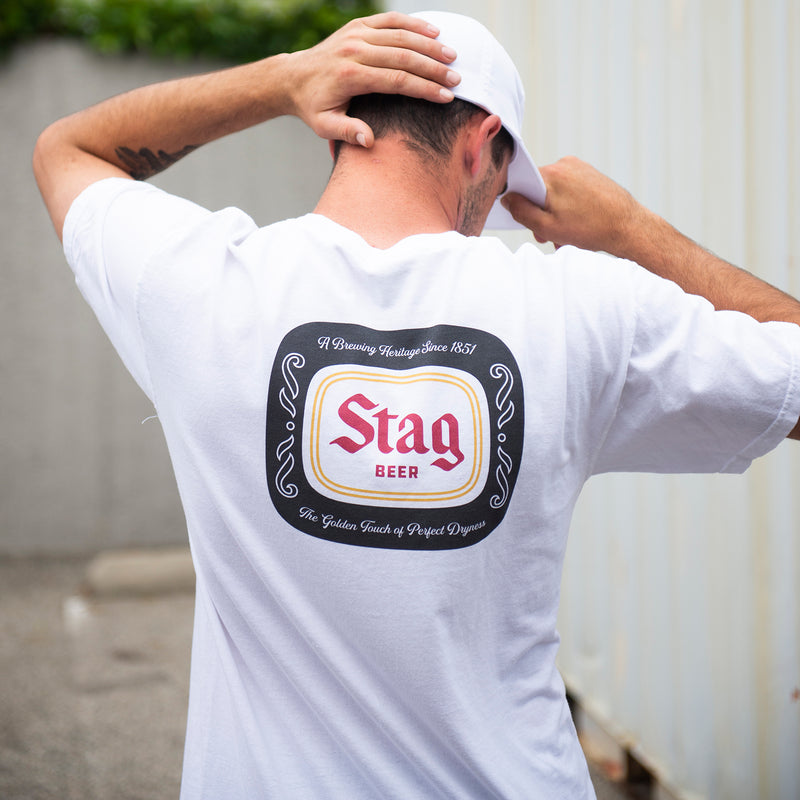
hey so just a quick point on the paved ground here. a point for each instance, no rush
(94, 688)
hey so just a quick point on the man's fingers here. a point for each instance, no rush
(337, 126)
(394, 20)
(538, 220)
(395, 69)
(354, 131)
(407, 40)
(386, 80)
(415, 63)
(407, 59)
(525, 212)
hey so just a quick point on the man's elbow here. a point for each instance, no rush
(47, 165)
(62, 170)
(43, 154)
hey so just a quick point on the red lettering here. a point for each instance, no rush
(396, 471)
(451, 447)
(357, 423)
(383, 417)
(410, 432)
(416, 435)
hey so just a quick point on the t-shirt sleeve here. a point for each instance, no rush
(111, 231)
(705, 390)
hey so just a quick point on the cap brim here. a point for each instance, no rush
(490, 81)
(524, 178)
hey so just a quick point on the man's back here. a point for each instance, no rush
(378, 452)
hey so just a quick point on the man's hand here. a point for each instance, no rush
(583, 208)
(387, 53)
(589, 210)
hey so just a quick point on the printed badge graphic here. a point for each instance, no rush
(405, 439)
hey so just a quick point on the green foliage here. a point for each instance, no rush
(22, 19)
(231, 30)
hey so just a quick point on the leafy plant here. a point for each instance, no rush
(23, 19)
(231, 30)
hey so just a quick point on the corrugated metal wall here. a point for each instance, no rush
(681, 598)
(681, 612)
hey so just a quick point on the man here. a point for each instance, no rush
(380, 423)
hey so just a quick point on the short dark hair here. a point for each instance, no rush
(430, 127)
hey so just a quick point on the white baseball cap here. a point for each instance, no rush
(490, 80)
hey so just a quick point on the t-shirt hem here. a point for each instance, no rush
(783, 423)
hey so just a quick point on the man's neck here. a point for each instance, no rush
(388, 193)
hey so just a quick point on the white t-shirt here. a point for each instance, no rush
(378, 453)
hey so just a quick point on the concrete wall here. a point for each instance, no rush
(80, 469)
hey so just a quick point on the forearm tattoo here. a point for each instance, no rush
(145, 163)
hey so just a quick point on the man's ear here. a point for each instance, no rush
(479, 142)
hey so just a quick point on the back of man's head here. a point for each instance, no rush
(489, 80)
(490, 83)
(428, 129)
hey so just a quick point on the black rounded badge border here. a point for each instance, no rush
(313, 346)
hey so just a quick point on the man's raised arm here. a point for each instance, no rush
(587, 209)
(140, 133)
